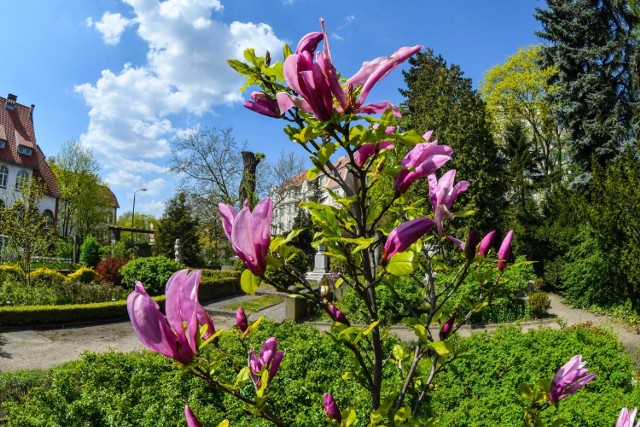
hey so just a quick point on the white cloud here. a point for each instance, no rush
(111, 26)
(132, 111)
(155, 208)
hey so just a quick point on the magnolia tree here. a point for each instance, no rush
(380, 240)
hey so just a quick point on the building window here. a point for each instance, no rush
(24, 150)
(23, 176)
(3, 143)
(4, 174)
(48, 219)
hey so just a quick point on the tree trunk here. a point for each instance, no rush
(247, 188)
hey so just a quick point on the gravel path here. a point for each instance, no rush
(29, 349)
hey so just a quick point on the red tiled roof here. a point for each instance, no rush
(114, 199)
(16, 127)
(340, 164)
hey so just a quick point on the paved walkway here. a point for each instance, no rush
(43, 348)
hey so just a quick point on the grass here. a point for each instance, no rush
(257, 304)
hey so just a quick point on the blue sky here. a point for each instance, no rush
(126, 76)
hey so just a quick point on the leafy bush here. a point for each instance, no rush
(109, 269)
(506, 303)
(296, 259)
(58, 293)
(83, 275)
(46, 277)
(146, 389)
(394, 300)
(90, 251)
(591, 275)
(12, 273)
(539, 304)
(482, 388)
(153, 272)
(117, 250)
(40, 315)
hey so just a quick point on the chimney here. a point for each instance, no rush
(33, 106)
(10, 104)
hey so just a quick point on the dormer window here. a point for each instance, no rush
(3, 143)
(10, 103)
(25, 150)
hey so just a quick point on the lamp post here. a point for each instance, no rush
(133, 210)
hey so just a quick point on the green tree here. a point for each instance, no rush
(179, 222)
(516, 94)
(85, 201)
(439, 97)
(591, 45)
(27, 230)
(142, 220)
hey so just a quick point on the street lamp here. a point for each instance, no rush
(133, 210)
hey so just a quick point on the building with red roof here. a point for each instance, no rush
(21, 157)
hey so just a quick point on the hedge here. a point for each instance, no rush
(30, 315)
(214, 285)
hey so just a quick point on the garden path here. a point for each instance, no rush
(44, 348)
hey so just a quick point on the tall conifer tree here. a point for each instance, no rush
(592, 47)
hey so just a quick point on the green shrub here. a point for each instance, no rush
(539, 304)
(46, 277)
(83, 275)
(153, 272)
(90, 251)
(65, 314)
(591, 273)
(296, 259)
(146, 389)
(482, 389)
(12, 273)
(394, 300)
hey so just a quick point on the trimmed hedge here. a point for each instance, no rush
(217, 284)
(214, 285)
(63, 314)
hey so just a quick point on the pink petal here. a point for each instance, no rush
(227, 214)
(309, 42)
(192, 421)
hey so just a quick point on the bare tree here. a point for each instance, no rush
(209, 164)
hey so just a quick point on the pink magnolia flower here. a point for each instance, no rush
(338, 316)
(447, 328)
(331, 407)
(505, 251)
(317, 82)
(268, 358)
(405, 235)
(192, 421)
(367, 150)
(175, 335)
(626, 419)
(485, 243)
(425, 158)
(443, 193)
(262, 104)
(249, 233)
(241, 319)
(569, 379)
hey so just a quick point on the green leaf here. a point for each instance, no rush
(401, 264)
(313, 173)
(224, 423)
(286, 51)
(351, 417)
(525, 391)
(370, 328)
(249, 282)
(411, 137)
(239, 66)
(325, 152)
(243, 376)
(399, 352)
(443, 348)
